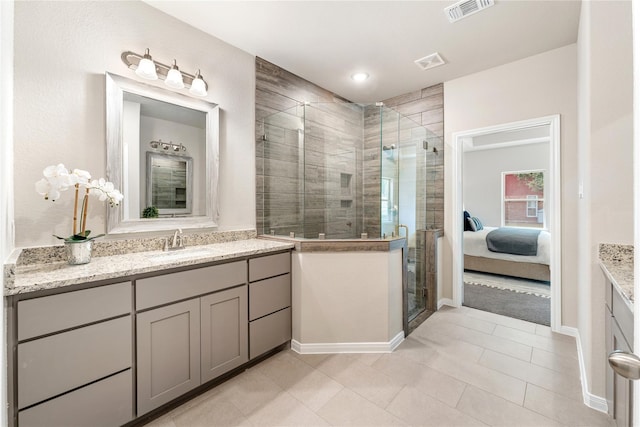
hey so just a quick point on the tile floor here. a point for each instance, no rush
(462, 367)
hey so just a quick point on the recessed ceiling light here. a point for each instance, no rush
(360, 77)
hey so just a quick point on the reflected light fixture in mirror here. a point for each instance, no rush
(173, 77)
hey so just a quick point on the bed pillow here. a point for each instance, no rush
(465, 220)
(475, 224)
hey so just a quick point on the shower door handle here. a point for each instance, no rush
(406, 230)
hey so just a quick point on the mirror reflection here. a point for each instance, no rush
(162, 150)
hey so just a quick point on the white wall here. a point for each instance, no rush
(6, 172)
(605, 129)
(62, 50)
(482, 176)
(537, 86)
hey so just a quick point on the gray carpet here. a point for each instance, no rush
(525, 306)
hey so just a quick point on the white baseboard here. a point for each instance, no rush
(348, 347)
(591, 400)
(445, 301)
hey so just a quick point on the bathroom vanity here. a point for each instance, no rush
(616, 262)
(114, 340)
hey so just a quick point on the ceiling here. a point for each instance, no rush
(326, 42)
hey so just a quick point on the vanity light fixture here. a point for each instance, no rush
(173, 77)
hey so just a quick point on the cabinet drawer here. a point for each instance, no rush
(168, 288)
(59, 363)
(267, 296)
(269, 332)
(623, 316)
(53, 313)
(269, 266)
(104, 403)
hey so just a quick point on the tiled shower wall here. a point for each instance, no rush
(331, 194)
(311, 189)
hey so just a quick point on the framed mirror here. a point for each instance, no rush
(161, 141)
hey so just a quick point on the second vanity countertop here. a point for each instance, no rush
(36, 277)
(617, 264)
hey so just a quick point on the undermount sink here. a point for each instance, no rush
(180, 254)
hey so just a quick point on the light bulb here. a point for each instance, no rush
(174, 77)
(146, 68)
(198, 87)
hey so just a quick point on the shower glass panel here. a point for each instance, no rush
(341, 169)
(403, 172)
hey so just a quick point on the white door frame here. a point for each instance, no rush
(552, 206)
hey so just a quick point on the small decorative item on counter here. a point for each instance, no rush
(150, 212)
(57, 179)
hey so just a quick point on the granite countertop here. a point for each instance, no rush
(617, 263)
(51, 275)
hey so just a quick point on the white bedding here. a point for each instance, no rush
(476, 245)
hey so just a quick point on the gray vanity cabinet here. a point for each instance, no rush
(619, 336)
(187, 343)
(168, 343)
(224, 331)
(269, 302)
(73, 358)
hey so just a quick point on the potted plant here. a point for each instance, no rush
(150, 212)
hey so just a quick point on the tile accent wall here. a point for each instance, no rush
(343, 146)
(313, 189)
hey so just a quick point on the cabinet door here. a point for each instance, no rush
(622, 387)
(168, 353)
(224, 323)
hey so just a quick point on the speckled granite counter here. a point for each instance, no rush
(51, 275)
(617, 263)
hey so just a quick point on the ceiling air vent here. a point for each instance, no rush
(464, 8)
(429, 61)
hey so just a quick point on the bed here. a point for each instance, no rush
(478, 258)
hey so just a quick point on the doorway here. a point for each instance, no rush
(494, 138)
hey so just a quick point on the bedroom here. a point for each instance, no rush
(505, 179)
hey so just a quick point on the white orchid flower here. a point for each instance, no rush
(82, 177)
(105, 190)
(58, 177)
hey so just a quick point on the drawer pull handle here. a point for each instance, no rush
(625, 364)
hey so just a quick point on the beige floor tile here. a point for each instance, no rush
(249, 391)
(285, 410)
(502, 385)
(416, 350)
(446, 339)
(415, 408)
(563, 409)
(565, 364)
(348, 408)
(427, 380)
(496, 411)
(365, 380)
(558, 345)
(308, 385)
(215, 411)
(458, 334)
(310, 359)
(163, 421)
(459, 318)
(566, 385)
(501, 320)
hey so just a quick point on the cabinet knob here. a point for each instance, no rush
(625, 364)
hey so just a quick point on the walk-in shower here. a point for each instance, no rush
(338, 170)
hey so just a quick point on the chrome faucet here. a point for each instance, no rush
(177, 242)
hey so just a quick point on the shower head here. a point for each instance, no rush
(389, 147)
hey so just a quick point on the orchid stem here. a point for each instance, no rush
(85, 202)
(75, 211)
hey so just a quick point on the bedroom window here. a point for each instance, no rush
(523, 199)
